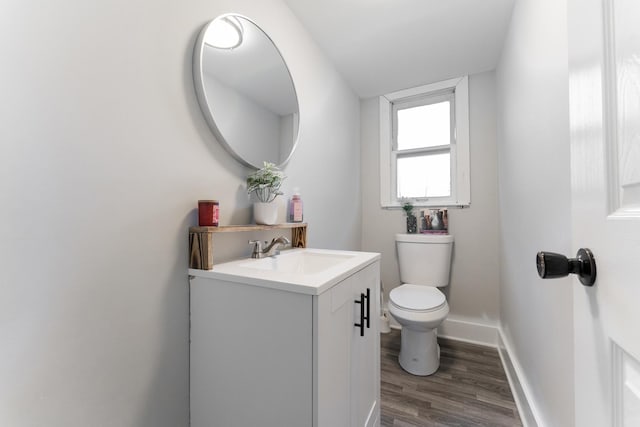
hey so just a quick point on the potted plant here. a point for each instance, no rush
(265, 184)
(412, 221)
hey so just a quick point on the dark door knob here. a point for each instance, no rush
(551, 265)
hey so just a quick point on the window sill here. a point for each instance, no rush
(429, 205)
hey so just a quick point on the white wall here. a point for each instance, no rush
(533, 150)
(103, 155)
(255, 143)
(473, 293)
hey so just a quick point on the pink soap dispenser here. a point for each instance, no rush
(295, 207)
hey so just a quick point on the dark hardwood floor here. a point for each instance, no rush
(469, 389)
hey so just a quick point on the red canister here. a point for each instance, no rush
(208, 213)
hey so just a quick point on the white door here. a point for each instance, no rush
(604, 76)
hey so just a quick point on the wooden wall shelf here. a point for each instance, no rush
(201, 239)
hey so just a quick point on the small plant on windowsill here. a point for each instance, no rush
(412, 221)
(265, 183)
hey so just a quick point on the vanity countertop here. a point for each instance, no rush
(307, 271)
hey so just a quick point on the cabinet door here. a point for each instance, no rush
(347, 366)
(365, 352)
(334, 325)
(251, 356)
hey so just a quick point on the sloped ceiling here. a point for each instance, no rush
(381, 46)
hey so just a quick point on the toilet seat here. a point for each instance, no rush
(417, 298)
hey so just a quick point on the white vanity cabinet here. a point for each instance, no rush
(271, 352)
(348, 363)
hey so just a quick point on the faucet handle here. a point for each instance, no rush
(257, 245)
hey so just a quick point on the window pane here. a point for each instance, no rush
(424, 126)
(424, 176)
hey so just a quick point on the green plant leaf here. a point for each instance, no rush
(265, 183)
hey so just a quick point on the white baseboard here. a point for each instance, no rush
(461, 330)
(529, 414)
(471, 332)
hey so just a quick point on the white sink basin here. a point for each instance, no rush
(308, 271)
(302, 262)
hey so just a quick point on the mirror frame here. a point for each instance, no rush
(198, 80)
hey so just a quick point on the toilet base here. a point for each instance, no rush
(419, 351)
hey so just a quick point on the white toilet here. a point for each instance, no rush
(417, 304)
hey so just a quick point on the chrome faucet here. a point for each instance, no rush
(272, 249)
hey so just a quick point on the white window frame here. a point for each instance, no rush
(460, 177)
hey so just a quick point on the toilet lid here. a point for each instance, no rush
(416, 297)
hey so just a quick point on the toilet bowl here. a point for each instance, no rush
(418, 305)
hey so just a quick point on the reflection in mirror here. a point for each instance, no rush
(245, 91)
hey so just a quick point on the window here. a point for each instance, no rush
(424, 145)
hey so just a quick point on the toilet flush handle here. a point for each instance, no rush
(552, 265)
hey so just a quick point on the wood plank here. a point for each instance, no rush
(247, 227)
(469, 389)
(299, 237)
(201, 240)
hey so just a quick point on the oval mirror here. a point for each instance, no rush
(245, 91)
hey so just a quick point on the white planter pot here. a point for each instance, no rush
(265, 213)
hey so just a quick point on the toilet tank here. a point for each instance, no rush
(424, 259)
